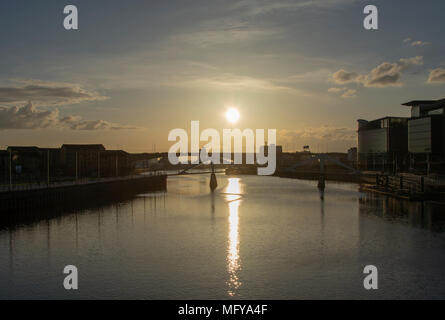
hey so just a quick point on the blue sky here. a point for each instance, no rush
(137, 69)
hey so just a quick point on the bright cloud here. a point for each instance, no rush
(437, 76)
(416, 43)
(345, 92)
(30, 117)
(384, 75)
(237, 82)
(47, 93)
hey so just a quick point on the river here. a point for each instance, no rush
(254, 238)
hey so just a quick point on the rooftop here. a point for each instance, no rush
(383, 118)
(84, 146)
(22, 148)
(424, 102)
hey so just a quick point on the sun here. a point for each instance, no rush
(232, 115)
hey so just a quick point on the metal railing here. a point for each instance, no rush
(80, 181)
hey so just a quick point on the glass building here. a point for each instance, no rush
(382, 143)
(426, 133)
(396, 143)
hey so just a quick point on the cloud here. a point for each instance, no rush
(350, 93)
(336, 90)
(385, 75)
(261, 7)
(237, 82)
(437, 76)
(46, 93)
(225, 35)
(416, 43)
(388, 74)
(30, 117)
(346, 92)
(342, 77)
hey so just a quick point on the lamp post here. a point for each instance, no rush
(76, 168)
(10, 169)
(117, 173)
(47, 165)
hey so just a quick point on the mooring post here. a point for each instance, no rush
(213, 182)
(422, 184)
(401, 182)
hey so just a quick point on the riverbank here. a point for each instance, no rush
(402, 186)
(77, 194)
(331, 176)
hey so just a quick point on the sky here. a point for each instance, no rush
(134, 70)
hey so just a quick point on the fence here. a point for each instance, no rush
(82, 181)
(410, 183)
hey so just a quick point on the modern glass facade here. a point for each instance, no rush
(373, 141)
(382, 143)
(424, 135)
(419, 135)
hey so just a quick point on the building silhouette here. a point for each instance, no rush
(382, 143)
(416, 143)
(34, 164)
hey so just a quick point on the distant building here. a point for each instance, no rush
(265, 149)
(26, 163)
(382, 143)
(34, 164)
(81, 160)
(51, 157)
(4, 166)
(93, 160)
(115, 163)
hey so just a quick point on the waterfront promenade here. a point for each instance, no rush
(80, 193)
(78, 182)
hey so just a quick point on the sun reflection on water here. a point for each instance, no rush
(233, 197)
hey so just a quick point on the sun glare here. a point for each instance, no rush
(232, 115)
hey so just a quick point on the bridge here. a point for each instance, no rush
(213, 182)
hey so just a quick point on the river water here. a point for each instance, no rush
(254, 238)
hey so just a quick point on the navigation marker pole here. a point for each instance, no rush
(213, 182)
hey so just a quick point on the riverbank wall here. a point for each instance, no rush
(58, 198)
(401, 186)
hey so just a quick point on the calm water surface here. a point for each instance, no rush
(255, 238)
